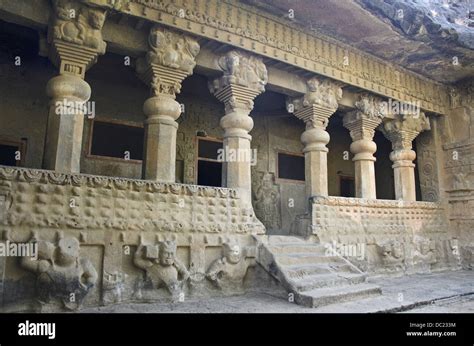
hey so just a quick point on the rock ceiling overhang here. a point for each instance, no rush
(432, 37)
(251, 29)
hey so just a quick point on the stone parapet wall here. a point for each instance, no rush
(37, 198)
(103, 240)
(391, 236)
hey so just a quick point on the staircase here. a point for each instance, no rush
(314, 277)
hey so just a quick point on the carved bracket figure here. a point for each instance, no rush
(393, 255)
(231, 269)
(61, 273)
(267, 202)
(162, 266)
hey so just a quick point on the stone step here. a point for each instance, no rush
(306, 258)
(299, 271)
(325, 280)
(293, 248)
(316, 277)
(282, 239)
(329, 295)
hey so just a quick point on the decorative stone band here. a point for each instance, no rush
(162, 79)
(315, 139)
(46, 199)
(360, 127)
(235, 96)
(403, 158)
(314, 115)
(71, 58)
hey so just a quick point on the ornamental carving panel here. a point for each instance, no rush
(398, 236)
(172, 49)
(55, 200)
(243, 69)
(427, 166)
(78, 24)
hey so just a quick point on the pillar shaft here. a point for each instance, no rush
(65, 123)
(315, 156)
(365, 179)
(160, 138)
(404, 174)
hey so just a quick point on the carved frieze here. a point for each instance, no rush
(240, 25)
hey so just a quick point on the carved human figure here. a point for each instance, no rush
(61, 273)
(455, 98)
(459, 182)
(266, 203)
(393, 254)
(423, 253)
(161, 266)
(229, 270)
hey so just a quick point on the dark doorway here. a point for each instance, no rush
(209, 167)
(346, 186)
(8, 154)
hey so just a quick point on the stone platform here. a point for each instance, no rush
(439, 292)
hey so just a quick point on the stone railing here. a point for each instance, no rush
(39, 198)
(357, 216)
(396, 235)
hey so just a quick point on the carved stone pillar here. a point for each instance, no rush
(314, 109)
(401, 131)
(362, 123)
(245, 77)
(171, 59)
(75, 42)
